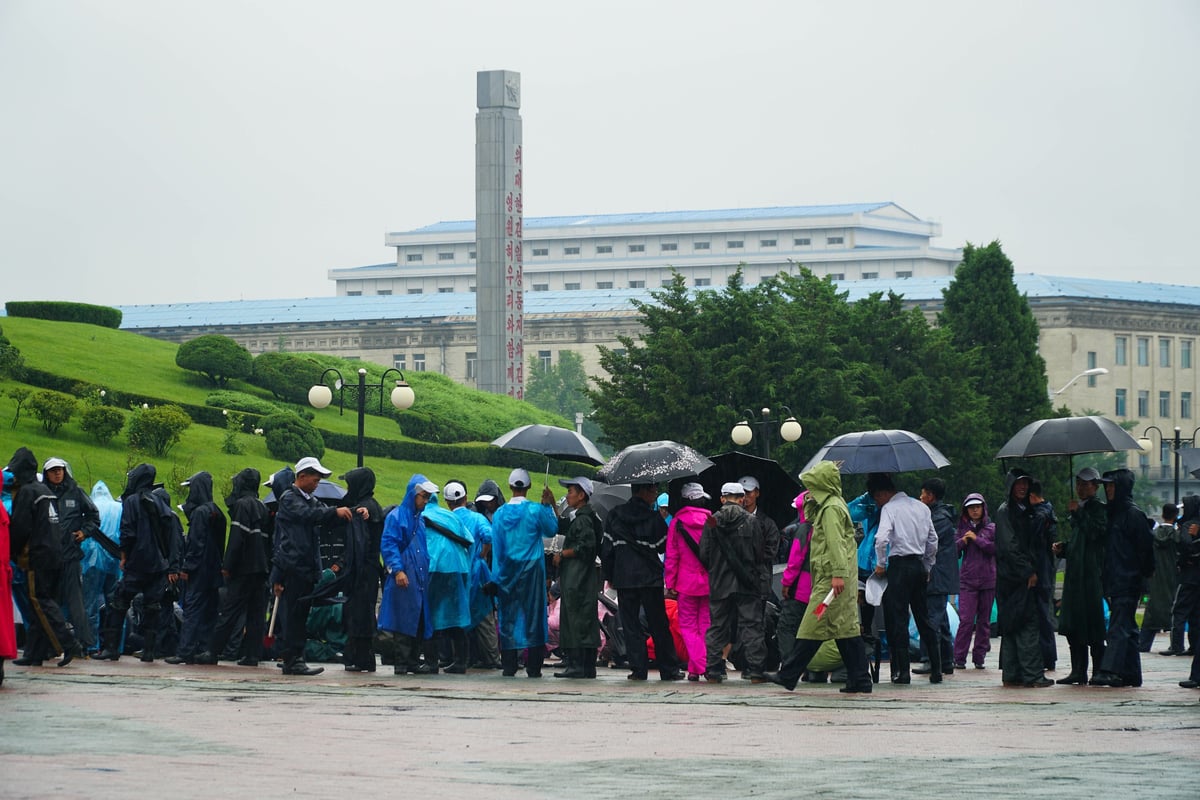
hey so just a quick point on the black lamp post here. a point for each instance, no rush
(1176, 447)
(320, 396)
(743, 433)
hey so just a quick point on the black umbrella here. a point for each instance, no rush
(607, 497)
(1068, 436)
(326, 490)
(552, 442)
(777, 489)
(879, 451)
(653, 462)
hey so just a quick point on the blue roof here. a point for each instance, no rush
(437, 307)
(667, 217)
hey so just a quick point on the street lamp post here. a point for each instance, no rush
(1087, 373)
(320, 396)
(743, 433)
(1176, 447)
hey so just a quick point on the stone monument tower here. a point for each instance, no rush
(499, 187)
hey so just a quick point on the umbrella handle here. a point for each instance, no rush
(274, 614)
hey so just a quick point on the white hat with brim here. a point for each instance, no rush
(876, 585)
(732, 489)
(429, 487)
(309, 463)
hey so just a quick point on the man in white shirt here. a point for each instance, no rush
(905, 549)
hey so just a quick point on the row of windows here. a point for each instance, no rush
(1142, 351)
(665, 247)
(1143, 404)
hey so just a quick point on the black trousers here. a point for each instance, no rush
(630, 604)
(244, 597)
(295, 616)
(906, 592)
(48, 634)
(854, 657)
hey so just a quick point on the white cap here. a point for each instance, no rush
(519, 479)
(428, 486)
(694, 491)
(311, 463)
(454, 491)
(732, 489)
(53, 462)
(484, 498)
(748, 482)
(583, 483)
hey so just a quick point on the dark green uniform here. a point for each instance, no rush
(578, 624)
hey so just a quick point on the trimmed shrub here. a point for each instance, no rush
(60, 311)
(291, 438)
(102, 423)
(218, 358)
(288, 376)
(156, 430)
(12, 364)
(53, 409)
(240, 401)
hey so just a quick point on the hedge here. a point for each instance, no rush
(62, 311)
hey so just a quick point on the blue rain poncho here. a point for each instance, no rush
(450, 545)
(94, 557)
(481, 573)
(519, 570)
(403, 548)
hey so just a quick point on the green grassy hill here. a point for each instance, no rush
(140, 365)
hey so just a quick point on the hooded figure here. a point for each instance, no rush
(975, 539)
(244, 569)
(796, 584)
(1017, 559)
(37, 543)
(1081, 612)
(201, 567)
(450, 545)
(834, 564)
(1128, 563)
(79, 520)
(101, 565)
(405, 608)
(519, 571)
(1186, 610)
(362, 566)
(684, 575)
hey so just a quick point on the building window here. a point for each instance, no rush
(1164, 352)
(1091, 364)
(445, 256)
(445, 289)
(1143, 401)
(541, 251)
(1143, 351)
(418, 362)
(571, 287)
(603, 284)
(699, 282)
(570, 251)
(399, 361)
(1164, 404)
(541, 287)
(1120, 407)
(835, 240)
(471, 289)
(735, 244)
(385, 292)
(1185, 405)
(410, 257)
(544, 359)
(637, 284)
(805, 242)
(904, 273)
(471, 255)
(1185, 354)
(637, 248)
(766, 242)
(603, 249)
(471, 366)
(837, 276)
(669, 247)
(1121, 356)
(701, 245)
(354, 294)
(870, 276)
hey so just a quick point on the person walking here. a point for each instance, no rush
(976, 542)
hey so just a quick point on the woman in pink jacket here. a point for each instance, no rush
(797, 580)
(685, 577)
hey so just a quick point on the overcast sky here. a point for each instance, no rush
(158, 151)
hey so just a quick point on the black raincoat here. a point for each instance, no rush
(206, 534)
(246, 551)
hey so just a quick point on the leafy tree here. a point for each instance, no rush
(102, 423)
(12, 364)
(288, 376)
(156, 430)
(53, 409)
(20, 394)
(231, 443)
(562, 389)
(218, 358)
(991, 322)
(291, 438)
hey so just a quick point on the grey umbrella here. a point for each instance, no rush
(552, 442)
(653, 462)
(879, 451)
(1068, 436)
(326, 490)
(606, 497)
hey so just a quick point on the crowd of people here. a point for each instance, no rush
(446, 580)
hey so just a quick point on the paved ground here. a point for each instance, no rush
(127, 729)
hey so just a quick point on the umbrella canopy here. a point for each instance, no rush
(326, 490)
(607, 497)
(879, 451)
(552, 442)
(777, 488)
(1068, 436)
(653, 462)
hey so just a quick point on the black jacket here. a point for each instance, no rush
(1188, 548)
(76, 512)
(148, 525)
(33, 524)
(944, 577)
(732, 547)
(634, 535)
(297, 535)
(206, 534)
(1016, 550)
(1129, 559)
(246, 550)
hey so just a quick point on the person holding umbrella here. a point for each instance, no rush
(1016, 578)
(1081, 613)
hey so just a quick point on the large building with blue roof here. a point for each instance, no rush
(854, 241)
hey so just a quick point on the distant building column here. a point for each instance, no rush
(499, 189)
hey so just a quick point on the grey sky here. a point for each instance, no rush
(167, 151)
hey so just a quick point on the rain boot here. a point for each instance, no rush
(149, 641)
(459, 651)
(574, 664)
(110, 644)
(432, 656)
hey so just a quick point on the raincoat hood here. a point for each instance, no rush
(1191, 507)
(68, 481)
(245, 484)
(281, 481)
(1014, 475)
(200, 492)
(822, 482)
(489, 486)
(140, 479)
(964, 522)
(1122, 480)
(360, 484)
(409, 503)
(23, 465)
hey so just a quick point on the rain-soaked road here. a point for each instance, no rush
(127, 729)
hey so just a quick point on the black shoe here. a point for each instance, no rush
(1170, 651)
(922, 669)
(636, 676)
(960, 665)
(1190, 684)
(1074, 677)
(1106, 679)
(774, 678)
(509, 673)
(535, 673)
(718, 677)
(104, 655)
(177, 660)
(935, 677)
(453, 669)
(206, 658)
(864, 689)
(70, 653)
(25, 661)
(300, 668)
(241, 662)
(947, 670)
(673, 675)
(902, 680)
(1040, 683)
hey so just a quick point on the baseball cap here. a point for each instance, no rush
(427, 486)
(748, 482)
(53, 462)
(582, 483)
(454, 491)
(519, 478)
(1087, 474)
(694, 491)
(311, 463)
(732, 489)
(973, 501)
(484, 498)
